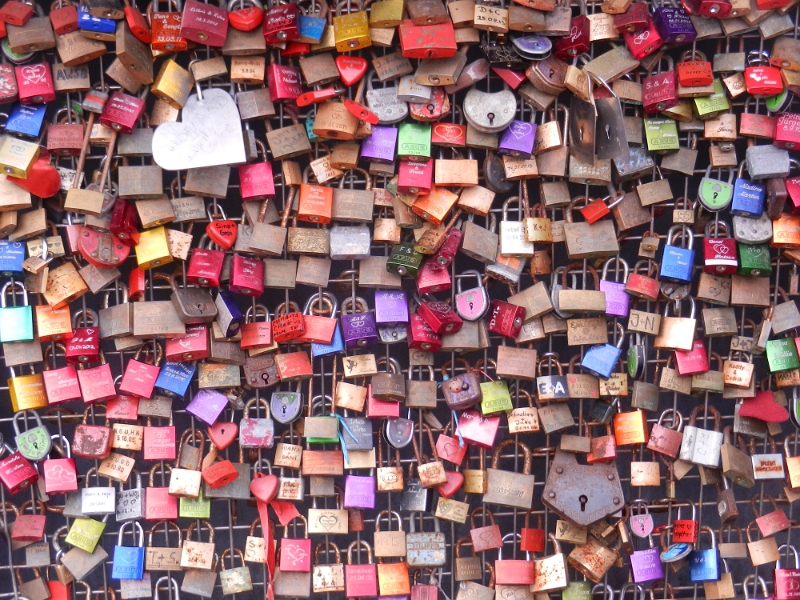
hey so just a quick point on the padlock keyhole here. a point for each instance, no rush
(583, 499)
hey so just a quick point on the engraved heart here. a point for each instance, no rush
(487, 537)
(34, 74)
(448, 133)
(520, 130)
(451, 449)
(328, 522)
(207, 136)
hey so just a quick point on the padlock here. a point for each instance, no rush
(351, 30)
(601, 360)
(16, 321)
(701, 446)
(759, 78)
(659, 91)
(128, 561)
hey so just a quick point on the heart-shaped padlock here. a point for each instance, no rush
(246, 19)
(286, 406)
(351, 69)
(222, 233)
(222, 434)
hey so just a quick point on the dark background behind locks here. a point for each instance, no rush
(232, 523)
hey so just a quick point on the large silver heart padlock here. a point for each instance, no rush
(489, 112)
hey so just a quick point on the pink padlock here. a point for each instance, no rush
(139, 378)
(692, 362)
(60, 475)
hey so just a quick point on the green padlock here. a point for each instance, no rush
(714, 194)
(16, 322)
(414, 140)
(578, 590)
(754, 261)
(708, 107)
(85, 533)
(661, 133)
(321, 430)
(191, 508)
(404, 260)
(34, 443)
(496, 397)
(782, 355)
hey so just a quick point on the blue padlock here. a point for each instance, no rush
(89, 22)
(311, 28)
(26, 119)
(748, 196)
(128, 562)
(704, 564)
(600, 360)
(174, 378)
(12, 255)
(229, 316)
(677, 263)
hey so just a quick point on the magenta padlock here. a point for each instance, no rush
(359, 330)
(692, 361)
(430, 279)
(139, 378)
(381, 409)
(359, 491)
(674, 25)
(256, 181)
(447, 252)
(421, 336)
(646, 565)
(159, 442)
(207, 405)
(17, 473)
(517, 139)
(59, 474)
(380, 146)
(280, 23)
(576, 41)
(97, 383)
(284, 82)
(643, 42)
(204, 23)
(617, 299)
(787, 131)
(35, 83)
(415, 176)
(391, 307)
(477, 429)
(660, 90)
(61, 385)
(505, 319)
(247, 276)
(121, 112)
(205, 265)
(440, 317)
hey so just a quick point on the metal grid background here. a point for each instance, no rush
(232, 520)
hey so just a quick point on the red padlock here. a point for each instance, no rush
(285, 83)
(64, 19)
(35, 83)
(759, 78)
(17, 473)
(136, 23)
(719, 9)
(449, 448)
(92, 441)
(192, 346)
(122, 111)
(257, 334)
(222, 232)
(9, 92)
(694, 73)
(103, 250)
(294, 366)
(487, 537)
(478, 430)
(415, 176)
(787, 131)
(84, 346)
(247, 276)
(505, 319)
(246, 19)
(136, 283)
(692, 362)
(643, 42)
(576, 41)
(635, 18)
(287, 325)
(440, 317)
(280, 24)
(27, 527)
(643, 286)
(532, 538)
(660, 91)
(719, 253)
(205, 265)
(140, 377)
(421, 336)
(685, 530)
(125, 222)
(219, 474)
(256, 180)
(204, 23)
(428, 41)
(16, 13)
(123, 408)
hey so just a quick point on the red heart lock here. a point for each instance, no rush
(43, 180)
(246, 19)
(454, 482)
(351, 68)
(222, 434)
(764, 407)
(222, 233)
(264, 487)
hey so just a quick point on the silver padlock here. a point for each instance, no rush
(385, 103)
(130, 503)
(752, 231)
(391, 334)
(490, 112)
(766, 162)
(98, 500)
(350, 242)
(408, 90)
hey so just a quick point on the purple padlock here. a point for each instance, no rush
(674, 25)
(359, 330)
(380, 146)
(359, 491)
(517, 139)
(617, 299)
(646, 565)
(207, 405)
(391, 306)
